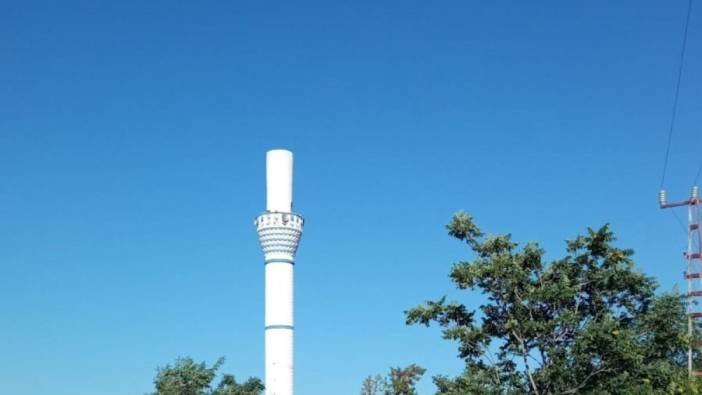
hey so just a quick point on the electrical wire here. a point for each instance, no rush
(677, 94)
(677, 218)
(697, 177)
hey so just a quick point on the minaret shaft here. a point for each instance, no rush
(279, 232)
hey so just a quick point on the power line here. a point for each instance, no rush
(677, 218)
(677, 93)
(699, 170)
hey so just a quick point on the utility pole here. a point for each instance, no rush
(693, 275)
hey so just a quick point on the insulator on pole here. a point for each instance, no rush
(661, 198)
(695, 192)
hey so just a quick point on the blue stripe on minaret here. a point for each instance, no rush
(280, 327)
(290, 261)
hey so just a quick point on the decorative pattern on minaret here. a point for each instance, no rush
(279, 232)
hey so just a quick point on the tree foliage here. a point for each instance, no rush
(586, 323)
(373, 385)
(400, 381)
(403, 380)
(186, 377)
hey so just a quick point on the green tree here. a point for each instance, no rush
(229, 386)
(585, 323)
(403, 380)
(187, 377)
(400, 381)
(373, 385)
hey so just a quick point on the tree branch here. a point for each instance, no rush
(526, 363)
(581, 385)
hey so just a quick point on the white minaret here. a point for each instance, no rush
(279, 231)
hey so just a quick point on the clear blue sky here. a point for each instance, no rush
(132, 146)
